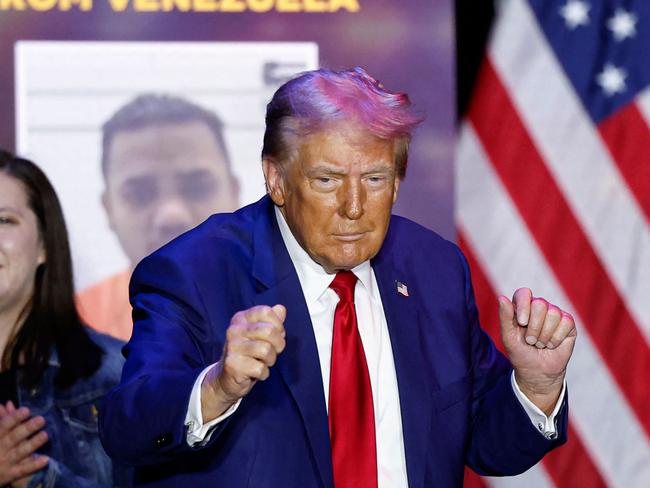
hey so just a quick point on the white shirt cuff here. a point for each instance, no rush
(197, 431)
(545, 425)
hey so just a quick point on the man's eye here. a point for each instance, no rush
(376, 180)
(324, 182)
(140, 193)
(198, 189)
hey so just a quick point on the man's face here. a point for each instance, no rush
(163, 180)
(337, 194)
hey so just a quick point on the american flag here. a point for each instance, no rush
(553, 175)
(402, 288)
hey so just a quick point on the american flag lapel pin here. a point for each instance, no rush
(402, 289)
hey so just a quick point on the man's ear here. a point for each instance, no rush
(107, 208)
(274, 180)
(396, 188)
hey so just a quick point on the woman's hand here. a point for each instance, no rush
(20, 436)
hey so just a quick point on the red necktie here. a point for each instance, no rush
(351, 414)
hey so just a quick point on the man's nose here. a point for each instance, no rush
(354, 198)
(171, 218)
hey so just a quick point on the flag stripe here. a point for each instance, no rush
(473, 480)
(502, 244)
(573, 451)
(535, 477)
(627, 137)
(643, 101)
(575, 155)
(552, 198)
(560, 237)
(574, 459)
(486, 301)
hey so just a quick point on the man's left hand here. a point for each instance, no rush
(539, 339)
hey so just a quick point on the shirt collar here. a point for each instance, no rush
(313, 278)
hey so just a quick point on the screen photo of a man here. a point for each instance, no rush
(166, 168)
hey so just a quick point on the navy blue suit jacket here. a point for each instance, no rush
(456, 400)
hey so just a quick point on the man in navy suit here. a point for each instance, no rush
(313, 340)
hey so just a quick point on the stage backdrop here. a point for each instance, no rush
(80, 75)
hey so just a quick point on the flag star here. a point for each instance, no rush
(612, 80)
(622, 24)
(575, 13)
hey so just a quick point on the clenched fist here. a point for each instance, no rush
(254, 339)
(539, 339)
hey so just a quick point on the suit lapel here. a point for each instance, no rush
(411, 364)
(298, 365)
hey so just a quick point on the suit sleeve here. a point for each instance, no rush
(503, 440)
(142, 421)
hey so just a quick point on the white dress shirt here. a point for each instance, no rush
(373, 329)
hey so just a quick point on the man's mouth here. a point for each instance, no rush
(349, 237)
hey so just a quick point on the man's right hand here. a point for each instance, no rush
(254, 339)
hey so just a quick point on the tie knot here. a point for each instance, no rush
(343, 284)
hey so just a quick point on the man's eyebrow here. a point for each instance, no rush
(194, 173)
(324, 169)
(380, 168)
(137, 179)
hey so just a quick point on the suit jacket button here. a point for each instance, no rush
(163, 440)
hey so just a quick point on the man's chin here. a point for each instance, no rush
(334, 266)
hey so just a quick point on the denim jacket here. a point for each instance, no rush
(77, 458)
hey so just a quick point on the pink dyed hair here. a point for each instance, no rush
(319, 98)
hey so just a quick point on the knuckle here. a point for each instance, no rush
(13, 437)
(231, 333)
(264, 373)
(237, 343)
(554, 311)
(238, 316)
(259, 310)
(230, 346)
(558, 337)
(264, 330)
(543, 338)
(539, 303)
(534, 325)
(270, 360)
(230, 364)
(270, 331)
(259, 370)
(568, 318)
(13, 456)
(264, 349)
